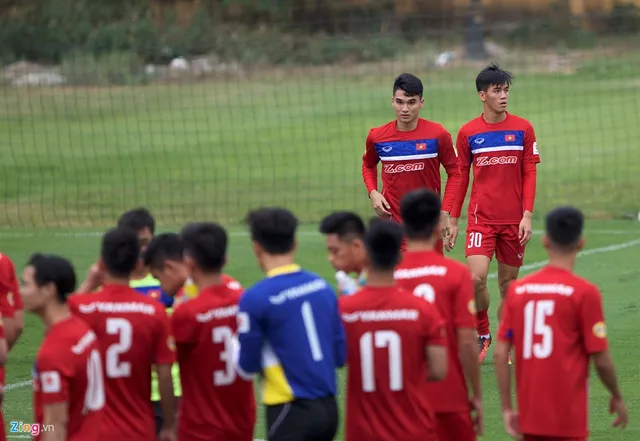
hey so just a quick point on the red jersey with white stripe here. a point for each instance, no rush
(555, 321)
(410, 160)
(500, 154)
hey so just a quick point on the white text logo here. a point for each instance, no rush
(399, 168)
(496, 160)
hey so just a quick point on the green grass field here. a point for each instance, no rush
(74, 159)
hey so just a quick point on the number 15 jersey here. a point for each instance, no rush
(388, 330)
(133, 335)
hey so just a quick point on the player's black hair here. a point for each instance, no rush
(163, 247)
(345, 224)
(274, 229)
(383, 239)
(120, 251)
(564, 227)
(206, 243)
(54, 269)
(493, 75)
(420, 211)
(409, 84)
(138, 219)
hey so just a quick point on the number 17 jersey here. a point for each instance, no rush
(388, 330)
(133, 335)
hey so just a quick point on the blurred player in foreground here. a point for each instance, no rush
(447, 284)
(217, 404)
(68, 380)
(411, 150)
(290, 331)
(555, 322)
(133, 332)
(344, 231)
(396, 343)
(503, 151)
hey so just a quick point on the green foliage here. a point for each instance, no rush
(624, 19)
(113, 68)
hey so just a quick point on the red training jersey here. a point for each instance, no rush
(554, 319)
(504, 158)
(10, 301)
(388, 330)
(68, 369)
(217, 404)
(410, 160)
(134, 334)
(448, 285)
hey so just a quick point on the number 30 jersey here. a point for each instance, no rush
(555, 321)
(133, 334)
(388, 330)
(217, 404)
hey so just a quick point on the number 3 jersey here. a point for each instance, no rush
(388, 330)
(217, 404)
(133, 334)
(68, 369)
(554, 320)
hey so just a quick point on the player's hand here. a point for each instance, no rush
(618, 407)
(477, 414)
(167, 435)
(510, 420)
(450, 240)
(379, 203)
(524, 230)
(94, 279)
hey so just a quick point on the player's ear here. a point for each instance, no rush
(581, 243)
(482, 95)
(545, 241)
(101, 266)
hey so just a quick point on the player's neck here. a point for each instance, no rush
(421, 245)
(273, 261)
(55, 313)
(204, 281)
(138, 275)
(380, 278)
(565, 262)
(407, 127)
(492, 117)
(110, 280)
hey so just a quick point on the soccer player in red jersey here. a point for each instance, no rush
(503, 151)
(396, 343)
(217, 404)
(555, 322)
(68, 380)
(448, 285)
(411, 150)
(133, 333)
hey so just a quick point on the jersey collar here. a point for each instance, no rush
(285, 269)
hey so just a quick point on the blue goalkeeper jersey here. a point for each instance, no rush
(290, 331)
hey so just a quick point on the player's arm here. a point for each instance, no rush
(10, 302)
(464, 165)
(339, 339)
(54, 390)
(436, 343)
(250, 335)
(464, 322)
(449, 160)
(182, 325)
(370, 161)
(501, 354)
(164, 359)
(3, 344)
(531, 157)
(56, 415)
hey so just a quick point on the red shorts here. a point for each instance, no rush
(455, 426)
(549, 438)
(501, 240)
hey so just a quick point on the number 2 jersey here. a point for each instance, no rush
(134, 334)
(388, 330)
(217, 404)
(68, 369)
(555, 321)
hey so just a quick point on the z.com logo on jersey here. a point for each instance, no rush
(496, 160)
(400, 168)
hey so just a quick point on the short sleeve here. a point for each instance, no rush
(54, 370)
(464, 303)
(505, 329)
(182, 324)
(594, 328)
(72, 303)
(165, 346)
(433, 325)
(530, 154)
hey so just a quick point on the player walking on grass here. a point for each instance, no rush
(411, 150)
(396, 343)
(555, 322)
(503, 151)
(133, 332)
(447, 284)
(217, 404)
(68, 380)
(290, 331)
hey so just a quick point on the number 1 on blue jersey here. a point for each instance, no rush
(312, 332)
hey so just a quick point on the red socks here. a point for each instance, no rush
(482, 324)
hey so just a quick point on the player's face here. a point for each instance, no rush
(347, 256)
(407, 108)
(32, 295)
(172, 276)
(496, 97)
(144, 237)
